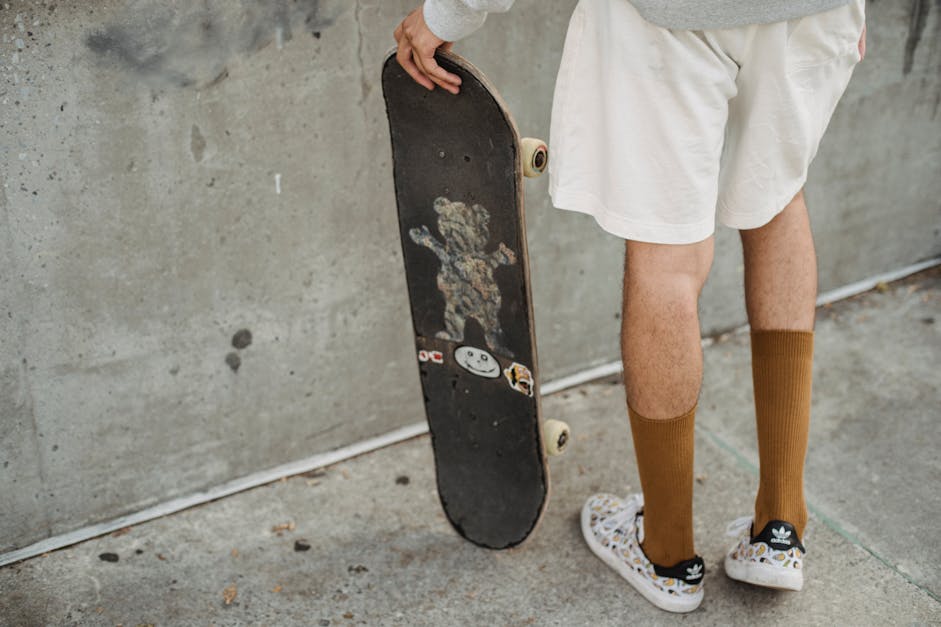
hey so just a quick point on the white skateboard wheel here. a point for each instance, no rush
(557, 436)
(535, 156)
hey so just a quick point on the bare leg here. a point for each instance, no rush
(781, 271)
(660, 336)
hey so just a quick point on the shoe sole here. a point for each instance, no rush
(765, 575)
(661, 599)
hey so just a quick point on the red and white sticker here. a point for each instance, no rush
(435, 357)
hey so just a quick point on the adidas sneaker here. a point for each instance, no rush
(614, 529)
(774, 558)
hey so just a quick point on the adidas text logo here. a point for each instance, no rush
(781, 536)
(694, 572)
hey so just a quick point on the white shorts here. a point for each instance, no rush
(656, 130)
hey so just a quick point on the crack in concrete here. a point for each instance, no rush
(364, 85)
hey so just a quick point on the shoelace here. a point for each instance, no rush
(738, 526)
(633, 505)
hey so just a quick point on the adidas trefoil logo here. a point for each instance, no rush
(781, 536)
(694, 572)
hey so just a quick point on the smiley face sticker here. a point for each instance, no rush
(477, 361)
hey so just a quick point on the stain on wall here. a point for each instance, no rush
(197, 144)
(185, 45)
(916, 28)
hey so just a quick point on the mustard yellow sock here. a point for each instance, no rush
(665, 464)
(782, 375)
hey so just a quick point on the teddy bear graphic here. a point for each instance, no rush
(466, 274)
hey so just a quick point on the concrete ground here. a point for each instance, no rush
(364, 542)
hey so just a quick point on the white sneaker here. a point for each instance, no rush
(614, 528)
(774, 558)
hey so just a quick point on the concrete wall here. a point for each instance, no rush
(174, 174)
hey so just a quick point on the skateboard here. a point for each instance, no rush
(458, 165)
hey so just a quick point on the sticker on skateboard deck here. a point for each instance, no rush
(466, 275)
(435, 357)
(520, 378)
(477, 361)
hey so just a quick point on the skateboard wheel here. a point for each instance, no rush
(557, 435)
(535, 156)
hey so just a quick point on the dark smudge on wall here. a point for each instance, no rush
(916, 27)
(187, 45)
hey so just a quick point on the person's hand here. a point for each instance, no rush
(416, 54)
(862, 44)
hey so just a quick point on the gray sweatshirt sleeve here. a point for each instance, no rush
(452, 20)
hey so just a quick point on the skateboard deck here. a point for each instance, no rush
(458, 187)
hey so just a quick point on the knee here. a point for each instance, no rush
(665, 271)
